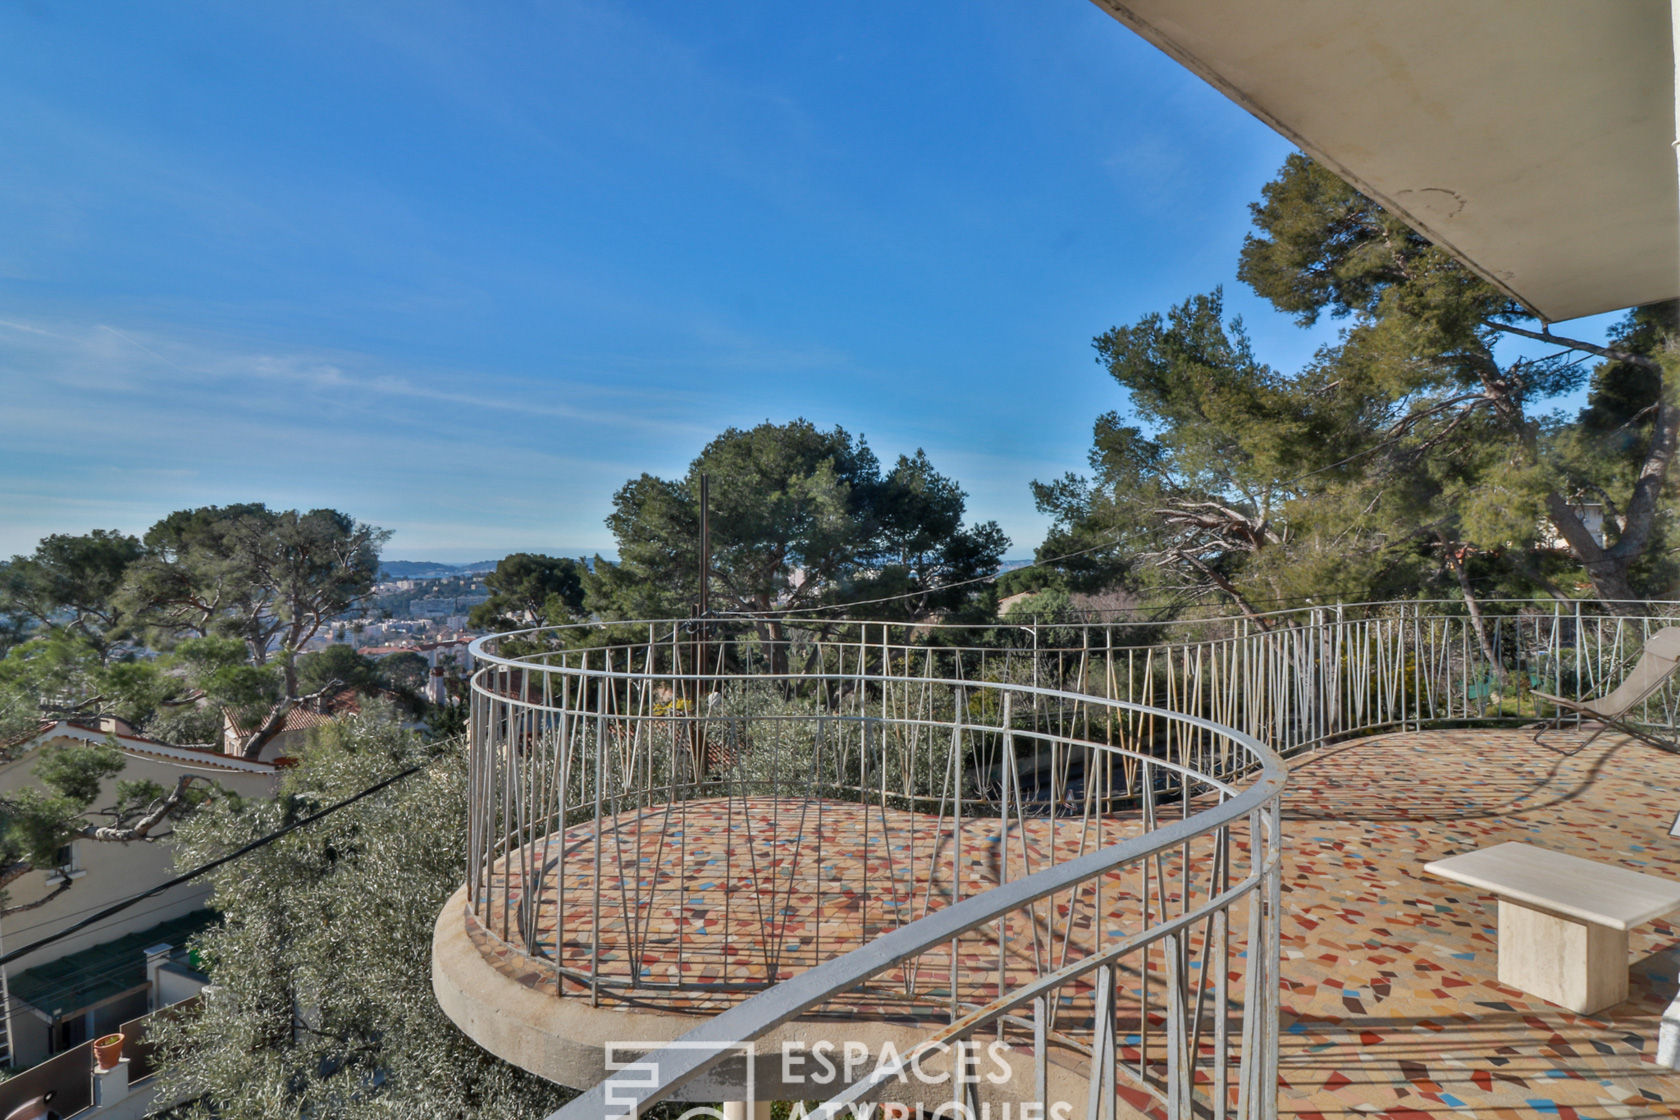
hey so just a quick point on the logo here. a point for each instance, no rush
(953, 1074)
(636, 1067)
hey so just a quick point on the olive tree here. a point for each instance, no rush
(321, 1001)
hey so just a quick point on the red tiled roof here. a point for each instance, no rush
(298, 719)
(47, 725)
(139, 745)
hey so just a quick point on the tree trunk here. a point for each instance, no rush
(1608, 568)
(267, 730)
(1225, 585)
(288, 669)
(276, 721)
(1607, 571)
(774, 636)
(1455, 561)
(1647, 488)
(778, 648)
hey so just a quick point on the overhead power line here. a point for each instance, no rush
(17, 931)
(933, 590)
(204, 869)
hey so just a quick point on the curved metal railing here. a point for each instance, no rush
(979, 852)
(1120, 801)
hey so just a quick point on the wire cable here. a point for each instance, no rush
(929, 590)
(20, 930)
(206, 868)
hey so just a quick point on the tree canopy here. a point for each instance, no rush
(79, 795)
(529, 589)
(89, 616)
(70, 582)
(800, 518)
(1414, 450)
(208, 611)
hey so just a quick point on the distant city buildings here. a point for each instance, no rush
(410, 614)
(444, 606)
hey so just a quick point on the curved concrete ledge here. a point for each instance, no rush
(554, 1038)
(564, 1039)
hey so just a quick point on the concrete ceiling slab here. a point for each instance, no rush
(1531, 138)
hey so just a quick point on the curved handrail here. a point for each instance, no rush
(1313, 675)
(584, 696)
(717, 1038)
(1657, 609)
(1333, 671)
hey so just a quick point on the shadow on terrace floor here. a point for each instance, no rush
(1391, 1006)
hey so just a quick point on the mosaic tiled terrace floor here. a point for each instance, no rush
(1391, 1004)
(1391, 1007)
(729, 896)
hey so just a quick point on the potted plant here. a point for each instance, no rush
(107, 1050)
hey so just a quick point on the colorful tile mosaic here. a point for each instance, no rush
(704, 902)
(1390, 1002)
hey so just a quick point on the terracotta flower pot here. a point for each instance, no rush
(107, 1050)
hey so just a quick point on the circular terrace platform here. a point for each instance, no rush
(1390, 989)
(680, 911)
(692, 906)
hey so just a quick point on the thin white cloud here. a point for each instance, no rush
(94, 360)
(116, 426)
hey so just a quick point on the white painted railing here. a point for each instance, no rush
(1120, 780)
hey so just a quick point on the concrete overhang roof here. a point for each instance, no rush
(1531, 138)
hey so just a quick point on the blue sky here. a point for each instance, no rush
(461, 270)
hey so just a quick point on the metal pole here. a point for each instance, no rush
(702, 650)
(705, 545)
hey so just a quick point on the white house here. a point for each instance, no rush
(69, 991)
(1592, 519)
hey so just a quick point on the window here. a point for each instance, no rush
(66, 865)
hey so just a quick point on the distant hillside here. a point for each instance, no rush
(430, 569)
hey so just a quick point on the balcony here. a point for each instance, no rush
(1062, 841)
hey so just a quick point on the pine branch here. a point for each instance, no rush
(63, 885)
(1608, 352)
(157, 814)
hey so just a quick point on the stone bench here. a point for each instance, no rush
(1563, 920)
